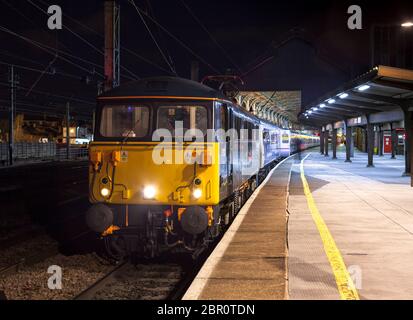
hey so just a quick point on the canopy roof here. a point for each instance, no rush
(272, 105)
(382, 89)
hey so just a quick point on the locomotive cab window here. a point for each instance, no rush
(188, 117)
(124, 121)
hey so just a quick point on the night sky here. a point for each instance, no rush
(246, 30)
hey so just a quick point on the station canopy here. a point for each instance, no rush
(383, 90)
(280, 107)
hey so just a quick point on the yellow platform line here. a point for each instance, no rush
(344, 282)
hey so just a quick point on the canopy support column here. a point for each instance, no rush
(393, 141)
(334, 143)
(349, 141)
(409, 139)
(322, 140)
(370, 143)
(381, 140)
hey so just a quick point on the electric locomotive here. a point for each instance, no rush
(171, 164)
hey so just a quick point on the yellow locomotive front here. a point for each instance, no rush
(153, 175)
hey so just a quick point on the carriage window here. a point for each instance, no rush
(190, 117)
(223, 117)
(266, 136)
(125, 121)
(274, 138)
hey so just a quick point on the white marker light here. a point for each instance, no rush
(310, 112)
(331, 101)
(343, 95)
(323, 105)
(197, 193)
(149, 192)
(105, 192)
(315, 109)
(363, 88)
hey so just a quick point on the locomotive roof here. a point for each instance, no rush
(171, 87)
(164, 87)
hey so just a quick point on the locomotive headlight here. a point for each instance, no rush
(104, 192)
(149, 192)
(197, 193)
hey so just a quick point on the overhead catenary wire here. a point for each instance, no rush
(22, 67)
(18, 12)
(131, 52)
(53, 108)
(211, 37)
(178, 40)
(52, 73)
(84, 117)
(83, 39)
(68, 29)
(132, 2)
(70, 98)
(25, 17)
(50, 50)
(60, 52)
(12, 55)
(269, 99)
(160, 33)
(49, 47)
(41, 75)
(4, 29)
(4, 52)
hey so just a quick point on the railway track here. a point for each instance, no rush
(126, 281)
(163, 279)
(152, 281)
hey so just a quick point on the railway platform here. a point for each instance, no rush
(250, 260)
(318, 229)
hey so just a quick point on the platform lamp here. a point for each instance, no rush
(407, 24)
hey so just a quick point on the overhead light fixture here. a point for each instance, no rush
(323, 105)
(363, 87)
(343, 95)
(331, 101)
(310, 112)
(407, 24)
(315, 109)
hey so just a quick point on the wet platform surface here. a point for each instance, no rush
(250, 261)
(275, 250)
(369, 213)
